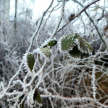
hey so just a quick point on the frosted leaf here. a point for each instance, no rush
(46, 51)
(75, 52)
(84, 46)
(36, 96)
(30, 61)
(28, 66)
(68, 42)
(38, 51)
(49, 42)
(43, 52)
(52, 43)
(74, 44)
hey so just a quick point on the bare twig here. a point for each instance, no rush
(83, 10)
(62, 14)
(93, 24)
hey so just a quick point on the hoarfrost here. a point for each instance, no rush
(42, 55)
(46, 41)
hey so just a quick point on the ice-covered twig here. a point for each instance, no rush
(93, 23)
(62, 14)
(79, 13)
(93, 81)
(44, 13)
(75, 99)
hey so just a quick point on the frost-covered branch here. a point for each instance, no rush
(83, 10)
(93, 81)
(62, 14)
(75, 99)
(93, 24)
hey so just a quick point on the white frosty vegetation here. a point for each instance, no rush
(47, 76)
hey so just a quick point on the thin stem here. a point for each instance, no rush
(94, 24)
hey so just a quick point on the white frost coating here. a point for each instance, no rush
(93, 82)
(81, 50)
(26, 65)
(76, 42)
(59, 44)
(42, 55)
(46, 41)
(79, 47)
(76, 99)
(2, 86)
(30, 100)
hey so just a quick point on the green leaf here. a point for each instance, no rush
(75, 52)
(46, 51)
(37, 97)
(84, 46)
(68, 42)
(52, 43)
(75, 45)
(30, 61)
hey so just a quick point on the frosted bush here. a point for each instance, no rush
(41, 74)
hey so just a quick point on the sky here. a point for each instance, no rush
(38, 6)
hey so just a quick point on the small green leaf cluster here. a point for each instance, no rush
(75, 45)
(46, 49)
(72, 43)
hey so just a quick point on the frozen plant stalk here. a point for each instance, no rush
(93, 82)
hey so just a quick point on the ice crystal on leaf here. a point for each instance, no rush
(74, 44)
(29, 62)
(84, 46)
(75, 52)
(68, 42)
(49, 42)
(43, 52)
(46, 51)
